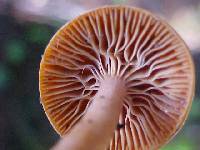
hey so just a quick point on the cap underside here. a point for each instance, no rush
(129, 43)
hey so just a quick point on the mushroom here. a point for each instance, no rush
(116, 78)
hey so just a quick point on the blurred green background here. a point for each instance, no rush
(26, 26)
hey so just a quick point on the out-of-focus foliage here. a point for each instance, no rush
(4, 76)
(22, 120)
(181, 144)
(38, 34)
(15, 51)
(195, 111)
(118, 1)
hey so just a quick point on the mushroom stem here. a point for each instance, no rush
(96, 128)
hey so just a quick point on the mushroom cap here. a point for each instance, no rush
(134, 45)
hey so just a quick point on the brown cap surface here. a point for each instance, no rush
(134, 45)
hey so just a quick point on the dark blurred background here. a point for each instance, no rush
(26, 26)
